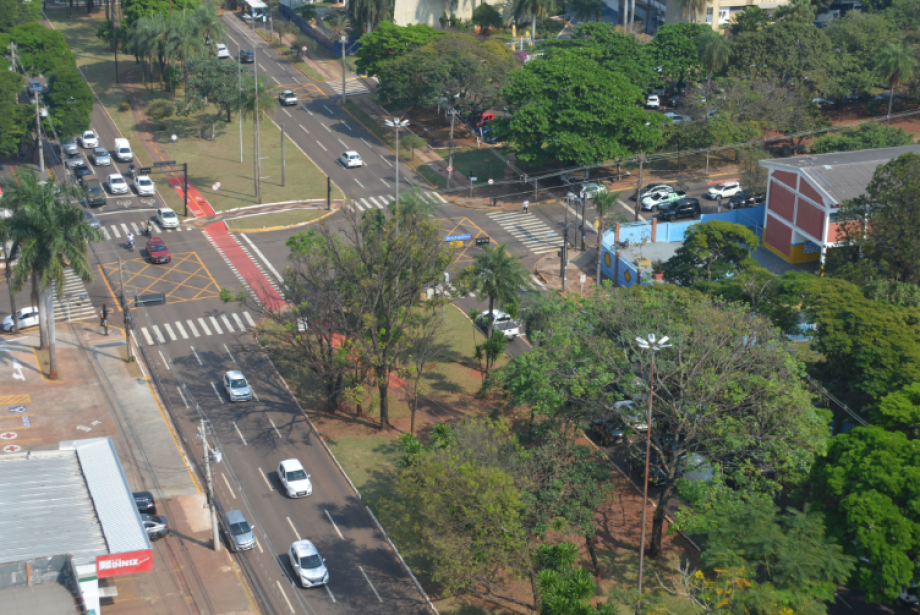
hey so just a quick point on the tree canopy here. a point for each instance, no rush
(15, 119)
(675, 49)
(711, 251)
(41, 49)
(70, 100)
(389, 42)
(132, 10)
(15, 13)
(867, 136)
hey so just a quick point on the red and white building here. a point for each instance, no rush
(804, 194)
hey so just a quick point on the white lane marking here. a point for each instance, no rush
(260, 547)
(346, 124)
(296, 533)
(326, 127)
(136, 230)
(360, 184)
(165, 362)
(377, 203)
(439, 197)
(329, 591)
(278, 82)
(322, 146)
(366, 204)
(125, 226)
(337, 531)
(385, 182)
(147, 335)
(169, 330)
(156, 228)
(304, 129)
(373, 589)
(214, 386)
(159, 335)
(254, 394)
(384, 158)
(265, 260)
(105, 233)
(273, 427)
(278, 583)
(265, 478)
(286, 111)
(249, 319)
(196, 355)
(227, 324)
(365, 142)
(343, 143)
(228, 485)
(234, 41)
(229, 353)
(181, 330)
(327, 109)
(308, 111)
(239, 322)
(182, 396)
(215, 325)
(358, 205)
(204, 326)
(191, 326)
(240, 434)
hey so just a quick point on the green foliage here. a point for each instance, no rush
(615, 51)
(675, 49)
(750, 19)
(487, 18)
(389, 42)
(900, 411)
(490, 351)
(867, 136)
(753, 175)
(212, 80)
(860, 37)
(868, 487)
(411, 141)
(712, 251)
(15, 118)
(41, 49)
(497, 275)
(904, 14)
(160, 110)
(803, 11)
(132, 10)
(70, 100)
(15, 13)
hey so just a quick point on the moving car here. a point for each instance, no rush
(651, 189)
(685, 208)
(655, 200)
(89, 139)
(239, 532)
(247, 56)
(745, 199)
(167, 218)
(236, 386)
(156, 526)
(95, 195)
(652, 102)
(75, 161)
(144, 502)
(222, 51)
(117, 184)
(295, 480)
(123, 150)
(287, 98)
(101, 157)
(144, 185)
(500, 321)
(351, 159)
(724, 190)
(308, 566)
(35, 86)
(69, 147)
(157, 250)
(82, 173)
(27, 316)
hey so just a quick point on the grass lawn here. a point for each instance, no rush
(257, 222)
(209, 160)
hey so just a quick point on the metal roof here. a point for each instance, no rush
(841, 175)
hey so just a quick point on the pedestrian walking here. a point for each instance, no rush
(526, 207)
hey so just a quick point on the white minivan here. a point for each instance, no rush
(123, 150)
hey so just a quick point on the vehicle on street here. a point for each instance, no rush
(69, 147)
(222, 51)
(487, 135)
(308, 566)
(907, 597)
(236, 386)
(295, 479)
(351, 159)
(156, 525)
(92, 220)
(652, 102)
(677, 118)
(144, 502)
(101, 157)
(592, 189)
(724, 190)
(651, 189)
(745, 199)
(500, 322)
(157, 250)
(27, 317)
(117, 184)
(92, 187)
(35, 87)
(167, 218)
(89, 139)
(608, 431)
(239, 532)
(287, 98)
(687, 207)
(75, 161)
(655, 200)
(247, 56)
(82, 173)
(144, 186)
(123, 150)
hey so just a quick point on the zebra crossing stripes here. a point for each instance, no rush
(382, 202)
(529, 230)
(74, 303)
(112, 230)
(353, 87)
(167, 332)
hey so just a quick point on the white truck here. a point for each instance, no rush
(501, 322)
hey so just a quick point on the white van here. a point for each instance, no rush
(123, 150)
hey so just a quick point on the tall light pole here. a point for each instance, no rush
(654, 345)
(397, 123)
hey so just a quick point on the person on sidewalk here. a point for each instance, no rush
(103, 314)
(526, 207)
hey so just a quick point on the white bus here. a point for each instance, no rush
(255, 9)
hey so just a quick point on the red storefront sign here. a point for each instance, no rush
(120, 564)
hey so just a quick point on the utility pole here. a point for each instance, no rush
(38, 136)
(450, 151)
(185, 187)
(328, 193)
(239, 77)
(639, 188)
(203, 434)
(584, 208)
(125, 306)
(343, 39)
(564, 252)
(257, 151)
(282, 155)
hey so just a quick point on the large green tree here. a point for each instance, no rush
(15, 118)
(39, 49)
(711, 251)
(497, 275)
(675, 49)
(900, 411)
(132, 10)
(212, 81)
(15, 13)
(389, 42)
(70, 100)
(859, 38)
(895, 64)
(615, 51)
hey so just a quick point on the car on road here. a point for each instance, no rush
(117, 184)
(655, 200)
(351, 159)
(239, 532)
(144, 185)
(236, 386)
(82, 173)
(156, 525)
(92, 220)
(309, 567)
(687, 207)
(75, 161)
(101, 157)
(92, 187)
(724, 190)
(89, 139)
(295, 479)
(576, 176)
(592, 189)
(144, 502)
(27, 317)
(652, 102)
(157, 250)
(651, 189)
(745, 199)
(222, 51)
(677, 118)
(247, 56)
(608, 431)
(167, 218)
(501, 322)
(69, 147)
(287, 98)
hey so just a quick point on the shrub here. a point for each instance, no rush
(160, 110)
(124, 106)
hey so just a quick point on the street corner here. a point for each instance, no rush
(184, 278)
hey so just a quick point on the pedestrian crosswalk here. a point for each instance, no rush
(74, 303)
(382, 202)
(353, 87)
(529, 230)
(122, 229)
(191, 328)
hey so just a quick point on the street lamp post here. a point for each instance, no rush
(654, 345)
(174, 139)
(397, 123)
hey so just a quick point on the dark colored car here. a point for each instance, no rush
(608, 431)
(92, 220)
(95, 194)
(156, 525)
(247, 56)
(684, 208)
(81, 172)
(745, 199)
(674, 100)
(157, 250)
(144, 501)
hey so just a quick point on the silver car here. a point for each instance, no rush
(236, 386)
(69, 147)
(239, 532)
(101, 157)
(309, 567)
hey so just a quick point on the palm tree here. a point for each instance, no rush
(604, 204)
(256, 100)
(715, 54)
(796, 10)
(148, 41)
(496, 274)
(370, 12)
(185, 41)
(895, 65)
(208, 23)
(532, 9)
(50, 235)
(692, 8)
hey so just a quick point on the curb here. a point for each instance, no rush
(277, 228)
(230, 211)
(536, 270)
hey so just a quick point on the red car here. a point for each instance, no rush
(157, 250)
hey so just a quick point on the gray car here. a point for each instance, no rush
(69, 147)
(239, 532)
(155, 525)
(101, 157)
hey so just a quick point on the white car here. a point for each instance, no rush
(724, 190)
(295, 480)
(89, 139)
(592, 189)
(144, 185)
(222, 51)
(28, 317)
(652, 102)
(308, 566)
(633, 415)
(236, 386)
(117, 184)
(351, 159)
(167, 218)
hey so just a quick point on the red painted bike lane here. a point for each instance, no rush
(225, 243)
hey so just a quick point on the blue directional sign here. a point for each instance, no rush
(458, 238)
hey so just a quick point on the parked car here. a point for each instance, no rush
(295, 480)
(309, 567)
(351, 159)
(156, 525)
(501, 322)
(157, 250)
(144, 185)
(687, 207)
(222, 51)
(82, 173)
(745, 199)
(608, 431)
(247, 56)
(92, 187)
(144, 502)
(117, 184)
(35, 87)
(27, 317)
(101, 157)
(89, 139)
(167, 218)
(677, 118)
(652, 102)
(907, 597)
(488, 136)
(75, 161)
(69, 147)
(484, 119)
(724, 190)
(287, 98)
(824, 102)
(239, 532)
(236, 386)
(850, 99)
(656, 200)
(651, 189)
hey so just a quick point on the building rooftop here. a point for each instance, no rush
(841, 175)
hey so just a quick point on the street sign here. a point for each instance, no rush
(456, 244)
(165, 163)
(473, 179)
(143, 170)
(583, 278)
(449, 169)
(458, 237)
(304, 48)
(482, 241)
(216, 186)
(491, 181)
